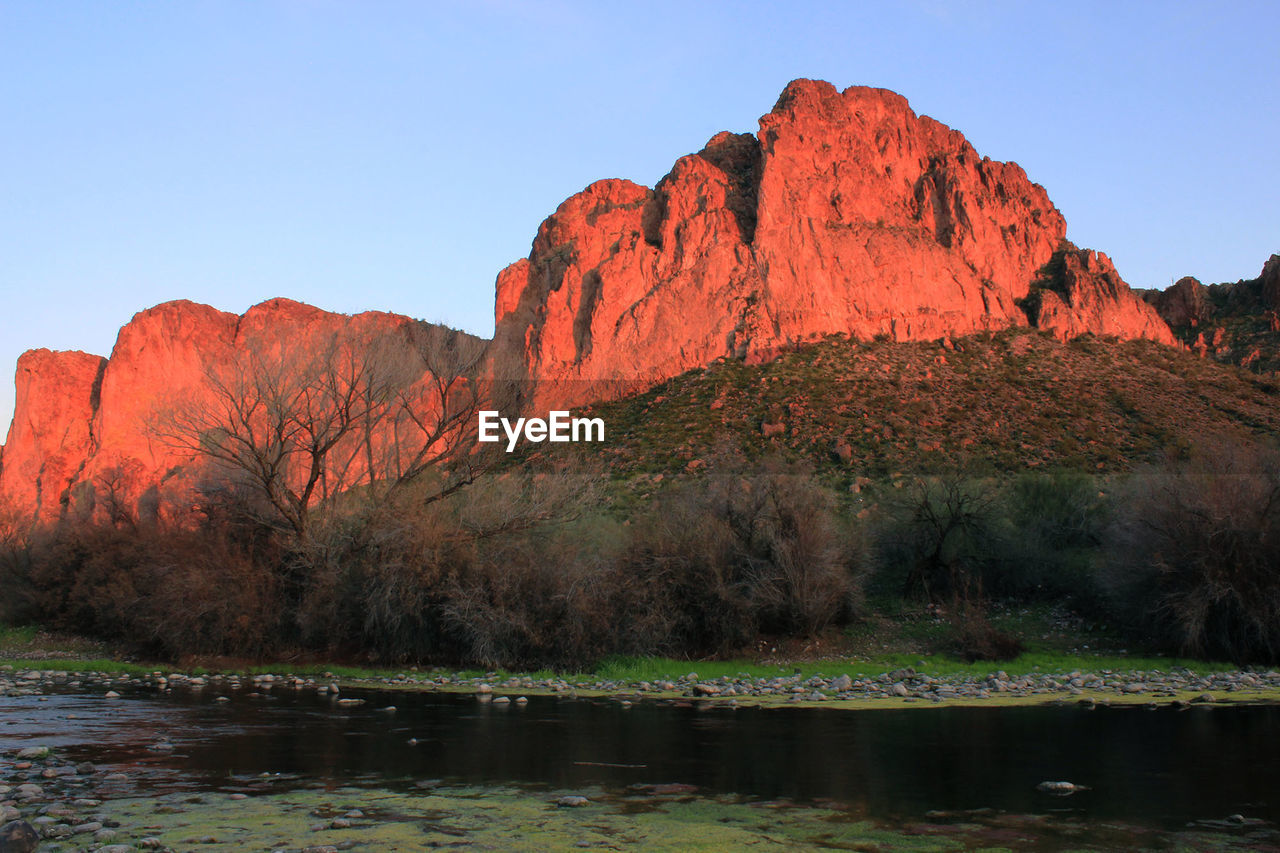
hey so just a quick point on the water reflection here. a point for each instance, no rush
(1163, 767)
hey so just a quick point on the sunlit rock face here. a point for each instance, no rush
(88, 429)
(845, 213)
(51, 437)
(1085, 295)
(1236, 322)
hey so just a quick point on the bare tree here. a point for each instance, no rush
(948, 524)
(302, 422)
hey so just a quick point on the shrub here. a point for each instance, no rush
(1193, 555)
(1047, 538)
(740, 554)
(166, 592)
(686, 556)
(936, 539)
(519, 570)
(494, 576)
(17, 604)
(972, 635)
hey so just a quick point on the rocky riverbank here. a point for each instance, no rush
(151, 799)
(902, 687)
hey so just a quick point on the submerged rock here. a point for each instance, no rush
(18, 837)
(1060, 789)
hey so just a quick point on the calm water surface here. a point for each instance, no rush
(1157, 767)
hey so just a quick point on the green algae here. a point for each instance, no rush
(501, 819)
(511, 818)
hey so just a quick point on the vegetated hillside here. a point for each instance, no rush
(1011, 401)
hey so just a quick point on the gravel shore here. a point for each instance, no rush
(902, 686)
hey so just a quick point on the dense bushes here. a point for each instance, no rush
(1034, 537)
(734, 556)
(1193, 556)
(1184, 557)
(1050, 529)
(936, 539)
(165, 591)
(520, 569)
(527, 569)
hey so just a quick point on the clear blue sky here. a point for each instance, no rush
(395, 155)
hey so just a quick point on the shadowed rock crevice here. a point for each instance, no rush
(591, 286)
(738, 156)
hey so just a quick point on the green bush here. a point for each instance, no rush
(1047, 539)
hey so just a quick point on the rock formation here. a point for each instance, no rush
(51, 437)
(1184, 303)
(1234, 322)
(88, 429)
(846, 213)
(1081, 293)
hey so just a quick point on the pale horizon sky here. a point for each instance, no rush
(396, 155)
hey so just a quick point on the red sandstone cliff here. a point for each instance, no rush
(88, 429)
(1082, 293)
(846, 213)
(51, 437)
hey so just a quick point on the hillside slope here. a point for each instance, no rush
(1003, 402)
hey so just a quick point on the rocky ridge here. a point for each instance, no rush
(1234, 322)
(85, 432)
(845, 213)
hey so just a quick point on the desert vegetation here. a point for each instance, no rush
(529, 568)
(341, 516)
